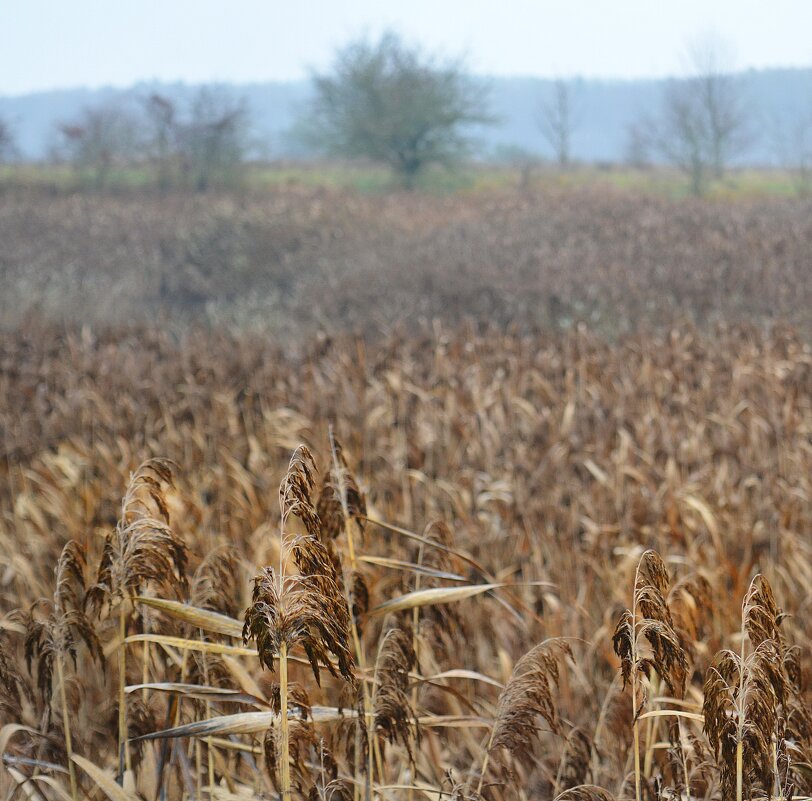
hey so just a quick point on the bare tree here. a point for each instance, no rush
(704, 123)
(162, 133)
(558, 122)
(213, 141)
(388, 102)
(684, 137)
(721, 102)
(8, 146)
(203, 145)
(98, 140)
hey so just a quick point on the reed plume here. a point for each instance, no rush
(50, 640)
(215, 586)
(690, 602)
(299, 614)
(394, 717)
(528, 695)
(341, 504)
(649, 621)
(342, 509)
(216, 582)
(742, 696)
(13, 686)
(305, 609)
(141, 551)
(796, 724)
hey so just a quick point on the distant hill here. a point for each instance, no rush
(778, 99)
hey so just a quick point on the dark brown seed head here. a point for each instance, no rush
(529, 695)
(393, 712)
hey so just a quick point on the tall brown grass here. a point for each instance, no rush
(497, 565)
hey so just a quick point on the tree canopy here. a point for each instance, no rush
(392, 104)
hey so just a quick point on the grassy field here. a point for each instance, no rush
(323, 494)
(661, 181)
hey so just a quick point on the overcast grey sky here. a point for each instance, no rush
(60, 43)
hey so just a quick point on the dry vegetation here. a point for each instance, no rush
(521, 565)
(295, 260)
(555, 543)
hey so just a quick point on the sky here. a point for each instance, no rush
(46, 44)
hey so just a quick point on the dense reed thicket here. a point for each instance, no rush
(471, 563)
(296, 260)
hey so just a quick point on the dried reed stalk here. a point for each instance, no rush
(306, 609)
(742, 696)
(142, 550)
(51, 640)
(649, 620)
(527, 696)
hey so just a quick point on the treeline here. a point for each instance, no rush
(702, 124)
(390, 103)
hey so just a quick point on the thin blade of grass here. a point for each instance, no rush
(212, 622)
(459, 673)
(399, 564)
(453, 722)
(31, 792)
(183, 644)
(193, 645)
(672, 713)
(10, 729)
(432, 597)
(103, 780)
(442, 595)
(454, 552)
(241, 723)
(201, 691)
(425, 789)
(426, 541)
(234, 745)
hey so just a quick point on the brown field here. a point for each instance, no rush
(298, 260)
(558, 546)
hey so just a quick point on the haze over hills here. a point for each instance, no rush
(777, 100)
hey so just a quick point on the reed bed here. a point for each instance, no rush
(294, 260)
(468, 562)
